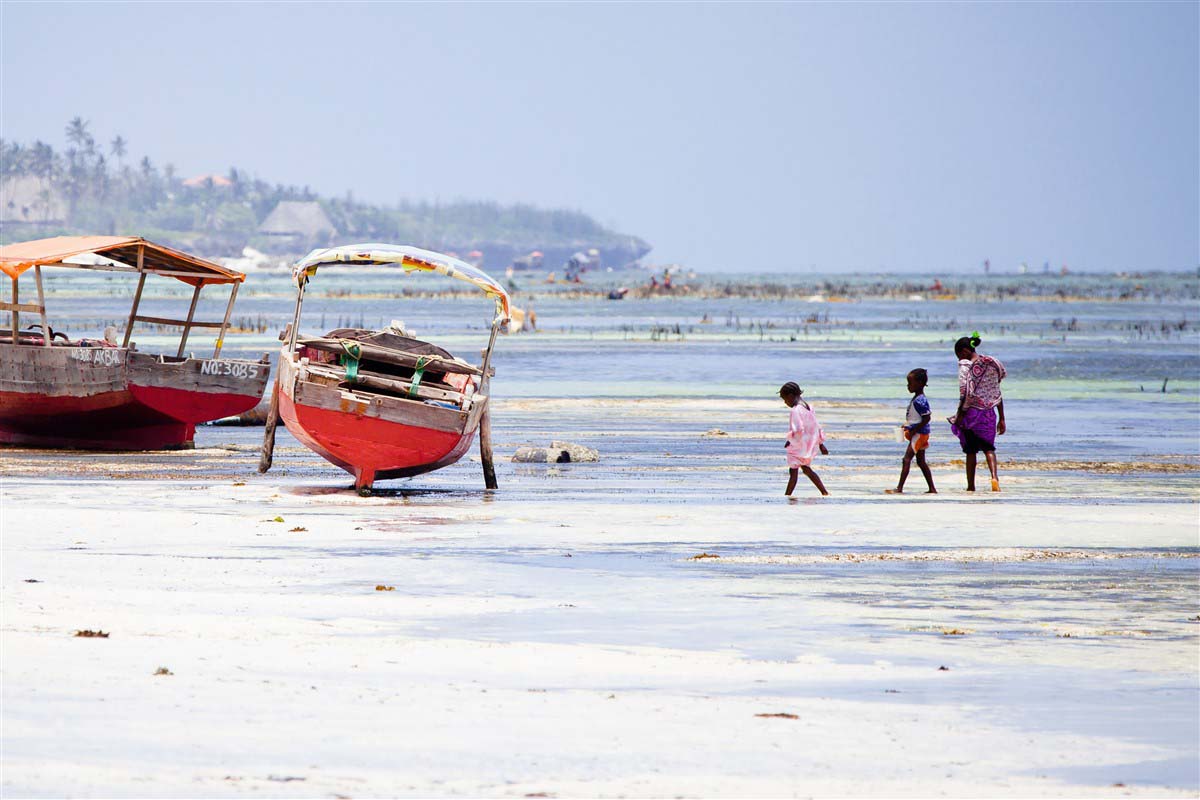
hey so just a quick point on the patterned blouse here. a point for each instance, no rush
(979, 382)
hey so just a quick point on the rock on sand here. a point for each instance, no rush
(556, 453)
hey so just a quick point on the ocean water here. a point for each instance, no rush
(1085, 377)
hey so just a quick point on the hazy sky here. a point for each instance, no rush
(764, 136)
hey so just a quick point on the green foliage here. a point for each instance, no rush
(237, 218)
(171, 216)
(132, 195)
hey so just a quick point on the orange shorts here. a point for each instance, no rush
(918, 441)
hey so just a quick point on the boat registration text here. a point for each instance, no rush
(103, 356)
(236, 369)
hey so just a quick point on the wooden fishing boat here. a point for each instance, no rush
(384, 404)
(98, 394)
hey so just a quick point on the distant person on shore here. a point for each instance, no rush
(916, 431)
(976, 424)
(805, 438)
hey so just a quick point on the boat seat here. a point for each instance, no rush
(377, 383)
(390, 351)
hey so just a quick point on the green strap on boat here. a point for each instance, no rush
(418, 373)
(350, 359)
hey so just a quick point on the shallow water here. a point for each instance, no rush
(1065, 604)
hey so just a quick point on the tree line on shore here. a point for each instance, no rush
(92, 187)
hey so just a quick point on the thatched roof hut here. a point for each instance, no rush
(299, 220)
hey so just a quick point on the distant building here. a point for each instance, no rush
(298, 223)
(29, 200)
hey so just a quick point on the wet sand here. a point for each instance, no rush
(560, 637)
(278, 635)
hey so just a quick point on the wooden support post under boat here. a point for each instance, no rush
(137, 296)
(187, 326)
(266, 459)
(37, 274)
(485, 450)
(485, 419)
(268, 446)
(225, 323)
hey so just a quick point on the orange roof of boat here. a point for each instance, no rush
(156, 258)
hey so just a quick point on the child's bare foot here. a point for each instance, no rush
(893, 491)
(995, 485)
(932, 491)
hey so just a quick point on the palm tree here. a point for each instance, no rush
(118, 148)
(44, 198)
(99, 182)
(77, 132)
(12, 159)
(238, 189)
(43, 160)
(74, 181)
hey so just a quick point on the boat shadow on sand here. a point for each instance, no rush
(390, 493)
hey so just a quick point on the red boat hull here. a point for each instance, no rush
(109, 422)
(368, 447)
(112, 399)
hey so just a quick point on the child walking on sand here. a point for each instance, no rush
(805, 438)
(916, 431)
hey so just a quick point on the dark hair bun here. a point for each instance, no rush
(976, 341)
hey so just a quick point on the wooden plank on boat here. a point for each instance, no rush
(15, 311)
(374, 380)
(46, 337)
(391, 409)
(206, 375)
(225, 322)
(61, 371)
(427, 382)
(32, 308)
(177, 322)
(388, 356)
(137, 299)
(187, 325)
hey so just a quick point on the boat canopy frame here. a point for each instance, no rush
(410, 259)
(117, 254)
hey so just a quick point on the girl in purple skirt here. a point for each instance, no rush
(976, 424)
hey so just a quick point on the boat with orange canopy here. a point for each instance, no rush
(383, 404)
(101, 394)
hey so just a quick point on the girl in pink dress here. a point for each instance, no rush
(805, 438)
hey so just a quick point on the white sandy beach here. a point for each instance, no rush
(558, 638)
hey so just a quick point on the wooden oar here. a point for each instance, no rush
(268, 445)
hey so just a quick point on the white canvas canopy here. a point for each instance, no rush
(411, 259)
